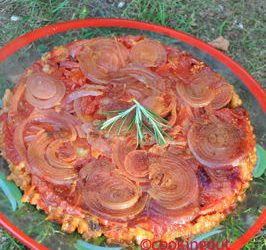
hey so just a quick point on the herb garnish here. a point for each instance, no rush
(143, 118)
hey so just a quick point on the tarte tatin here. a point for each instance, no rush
(129, 138)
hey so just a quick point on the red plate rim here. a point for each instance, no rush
(254, 87)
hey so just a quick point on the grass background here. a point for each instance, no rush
(242, 22)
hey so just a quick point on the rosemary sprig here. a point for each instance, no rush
(143, 119)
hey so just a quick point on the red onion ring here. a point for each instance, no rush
(161, 105)
(121, 147)
(109, 195)
(196, 95)
(136, 165)
(223, 95)
(100, 57)
(136, 72)
(174, 190)
(52, 155)
(149, 53)
(57, 120)
(44, 91)
(217, 143)
(118, 193)
(87, 90)
(173, 183)
(40, 166)
(173, 216)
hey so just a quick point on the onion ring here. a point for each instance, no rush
(44, 91)
(111, 196)
(217, 143)
(87, 90)
(223, 95)
(40, 167)
(58, 121)
(136, 165)
(149, 53)
(100, 57)
(174, 190)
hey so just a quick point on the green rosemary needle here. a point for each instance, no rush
(143, 119)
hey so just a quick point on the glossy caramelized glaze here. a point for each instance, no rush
(79, 174)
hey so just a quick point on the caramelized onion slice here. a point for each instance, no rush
(176, 216)
(95, 207)
(76, 47)
(149, 53)
(90, 68)
(41, 85)
(40, 166)
(44, 91)
(63, 125)
(109, 43)
(196, 95)
(101, 57)
(174, 190)
(53, 152)
(96, 173)
(19, 142)
(160, 104)
(118, 193)
(97, 142)
(223, 95)
(132, 89)
(108, 194)
(137, 165)
(174, 183)
(138, 73)
(121, 147)
(217, 143)
(198, 89)
(87, 90)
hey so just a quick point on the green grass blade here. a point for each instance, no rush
(11, 191)
(260, 168)
(207, 235)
